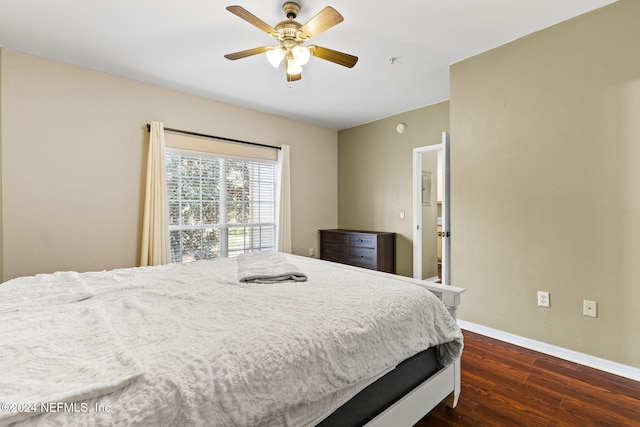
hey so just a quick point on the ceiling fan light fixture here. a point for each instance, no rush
(291, 36)
(293, 67)
(275, 56)
(301, 54)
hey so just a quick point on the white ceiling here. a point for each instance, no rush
(180, 45)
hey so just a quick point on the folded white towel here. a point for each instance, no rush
(267, 267)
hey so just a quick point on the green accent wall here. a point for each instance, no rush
(375, 175)
(545, 154)
(545, 182)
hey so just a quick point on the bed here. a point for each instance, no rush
(208, 343)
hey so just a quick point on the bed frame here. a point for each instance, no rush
(443, 386)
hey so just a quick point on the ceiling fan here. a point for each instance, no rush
(292, 36)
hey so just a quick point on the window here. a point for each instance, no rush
(219, 207)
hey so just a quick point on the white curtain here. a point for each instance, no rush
(155, 227)
(284, 208)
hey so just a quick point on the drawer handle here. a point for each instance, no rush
(360, 240)
(361, 256)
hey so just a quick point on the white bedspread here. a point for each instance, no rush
(59, 354)
(191, 345)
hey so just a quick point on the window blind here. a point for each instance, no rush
(217, 147)
(219, 207)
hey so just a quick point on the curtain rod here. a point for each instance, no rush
(186, 132)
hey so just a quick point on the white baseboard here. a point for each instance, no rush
(552, 350)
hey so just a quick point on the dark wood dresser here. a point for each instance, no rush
(368, 249)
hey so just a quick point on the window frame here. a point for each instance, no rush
(223, 225)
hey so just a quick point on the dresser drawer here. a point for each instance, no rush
(362, 240)
(334, 238)
(334, 253)
(362, 257)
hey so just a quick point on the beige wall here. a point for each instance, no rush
(375, 174)
(73, 144)
(545, 155)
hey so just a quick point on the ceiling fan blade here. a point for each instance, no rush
(334, 56)
(243, 13)
(325, 19)
(248, 52)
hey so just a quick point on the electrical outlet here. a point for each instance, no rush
(590, 308)
(543, 299)
(312, 252)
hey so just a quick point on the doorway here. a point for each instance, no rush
(431, 212)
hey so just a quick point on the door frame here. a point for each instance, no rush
(417, 208)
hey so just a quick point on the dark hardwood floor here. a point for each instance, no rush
(507, 385)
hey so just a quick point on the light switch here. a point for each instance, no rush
(401, 214)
